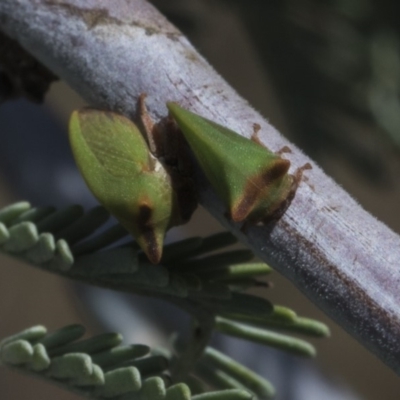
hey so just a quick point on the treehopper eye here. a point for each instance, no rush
(124, 176)
(252, 181)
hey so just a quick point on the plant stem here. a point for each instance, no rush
(201, 330)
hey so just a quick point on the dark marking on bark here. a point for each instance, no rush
(331, 208)
(94, 17)
(91, 16)
(345, 299)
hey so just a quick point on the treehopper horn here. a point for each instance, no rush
(252, 181)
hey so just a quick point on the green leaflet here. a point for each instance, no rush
(124, 176)
(251, 180)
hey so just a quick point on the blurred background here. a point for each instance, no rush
(327, 75)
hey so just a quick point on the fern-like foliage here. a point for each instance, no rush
(208, 286)
(99, 367)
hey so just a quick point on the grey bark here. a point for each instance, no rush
(341, 257)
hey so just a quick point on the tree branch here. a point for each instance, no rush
(336, 253)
